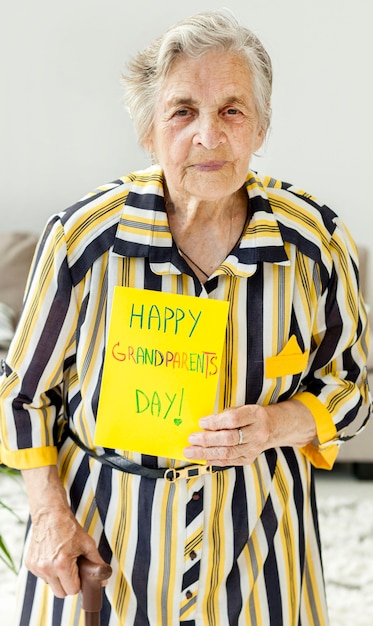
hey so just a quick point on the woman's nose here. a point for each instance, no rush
(209, 132)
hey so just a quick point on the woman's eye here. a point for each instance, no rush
(182, 112)
(232, 111)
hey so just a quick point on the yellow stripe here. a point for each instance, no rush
(255, 547)
(194, 543)
(120, 541)
(93, 216)
(215, 536)
(290, 555)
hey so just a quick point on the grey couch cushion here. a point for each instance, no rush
(16, 252)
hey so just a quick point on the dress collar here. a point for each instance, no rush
(143, 230)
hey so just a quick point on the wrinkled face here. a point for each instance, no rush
(205, 127)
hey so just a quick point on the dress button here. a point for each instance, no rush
(189, 595)
(196, 496)
(193, 555)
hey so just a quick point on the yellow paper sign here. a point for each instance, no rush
(161, 370)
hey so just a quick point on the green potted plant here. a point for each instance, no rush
(5, 555)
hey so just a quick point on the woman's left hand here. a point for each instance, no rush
(288, 423)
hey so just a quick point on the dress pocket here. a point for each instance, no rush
(291, 360)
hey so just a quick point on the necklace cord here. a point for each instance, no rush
(194, 263)
(184, 254)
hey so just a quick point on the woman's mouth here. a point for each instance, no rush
(210, 166)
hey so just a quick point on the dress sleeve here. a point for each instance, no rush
(32, 379)
(335, 387)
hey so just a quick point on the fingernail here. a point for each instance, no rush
(203, 422)
(193, 438)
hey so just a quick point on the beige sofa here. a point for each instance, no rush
(16, 251)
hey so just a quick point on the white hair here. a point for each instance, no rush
(194, 37)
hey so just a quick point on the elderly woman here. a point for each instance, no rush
(239, 544)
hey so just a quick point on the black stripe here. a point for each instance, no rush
(194, 507)
(327, 349)
(268, 254)
(151, 280)
(270, 570)
(325, 213)
(309, 249)
(103, 496)
(93, 251)
(28, 600)
(255, 330)
(140, 572)
(314, 508)
(41, 355)
(298, 499)
(146, 202)
(241, 535)
(294, 385)
(79, 483)
(58, 604)
(103, 491)
(73, 403)
(106, 553)
(191, 576)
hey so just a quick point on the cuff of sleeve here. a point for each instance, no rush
(320, 456)
(28, 458)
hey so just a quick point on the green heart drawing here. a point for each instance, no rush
(177, 421)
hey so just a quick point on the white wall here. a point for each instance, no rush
(63, 129)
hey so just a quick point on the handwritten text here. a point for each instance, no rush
(163, 319)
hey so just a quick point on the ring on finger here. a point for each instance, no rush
(240, 436)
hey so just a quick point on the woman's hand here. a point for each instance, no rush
(57, 539)
(288, 423)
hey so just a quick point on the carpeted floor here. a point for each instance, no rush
(346, 527)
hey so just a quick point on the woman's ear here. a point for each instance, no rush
(149, 144)
(260, 138)
(149, 147)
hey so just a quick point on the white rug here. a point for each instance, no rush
(346, 526)
(12, 531)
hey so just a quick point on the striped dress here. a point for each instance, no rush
(239, 546)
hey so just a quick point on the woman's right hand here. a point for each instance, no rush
(57, 539)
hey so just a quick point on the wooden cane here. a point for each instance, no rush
(91, 576)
